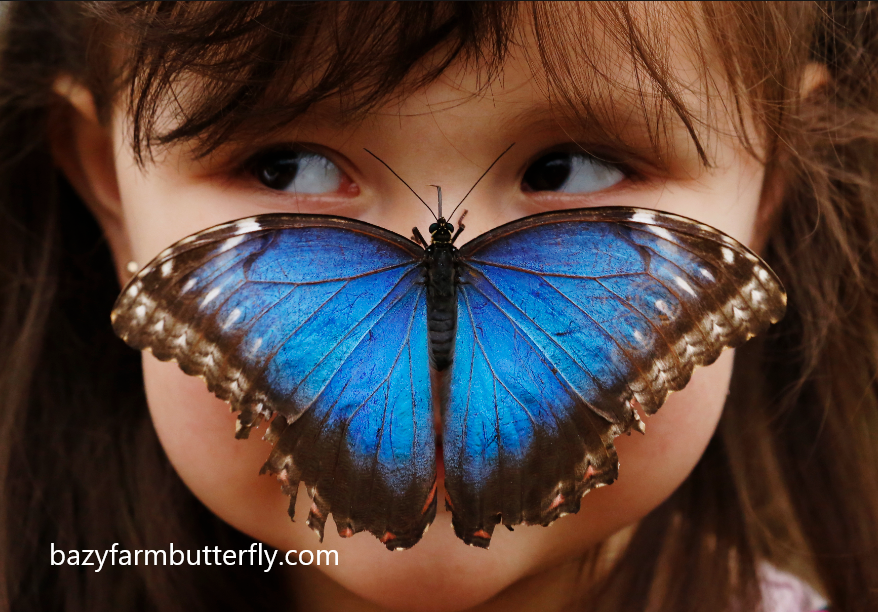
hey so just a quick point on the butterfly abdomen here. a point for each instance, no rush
(441, 303)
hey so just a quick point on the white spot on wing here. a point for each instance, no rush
(728, 255)
(140, 311)
(160, 326)
(684, 286)
(256, 344)
(663, 307)
(643, 217)
(189, 284)
(660, 231)
(232, 243)
(233, 316)
(210, 295)
(247, 225)
(706, 274)
(134, 289)
(638, 336)
(167, 267)
(763, 274)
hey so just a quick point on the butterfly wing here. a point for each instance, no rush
(564, 320)
(320, 320)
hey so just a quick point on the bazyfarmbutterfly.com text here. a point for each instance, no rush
(257, 554)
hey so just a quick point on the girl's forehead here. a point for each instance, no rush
(612, 114)
(601, 68)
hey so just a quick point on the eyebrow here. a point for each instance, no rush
(632, 128)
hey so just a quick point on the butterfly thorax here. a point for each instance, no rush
(441, 293)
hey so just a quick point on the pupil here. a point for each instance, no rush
(549, 173)
(279, 172)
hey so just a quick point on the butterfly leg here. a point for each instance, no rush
(460, 226)
(417, 237)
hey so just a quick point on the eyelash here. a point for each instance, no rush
(567, 166)
(292, 160)
(561, 166)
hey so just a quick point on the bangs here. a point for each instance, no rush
(212, 73)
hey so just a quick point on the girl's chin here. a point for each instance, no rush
(439, 574)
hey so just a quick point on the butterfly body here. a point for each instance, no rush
(552, 330)
(442, 279)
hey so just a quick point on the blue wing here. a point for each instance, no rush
(322, 321)
(565, 320)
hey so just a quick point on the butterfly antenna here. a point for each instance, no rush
(407, 185)
(478, 181)
(440, 199)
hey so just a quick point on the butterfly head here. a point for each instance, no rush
(441, 231)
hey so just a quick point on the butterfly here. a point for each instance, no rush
(541, 338)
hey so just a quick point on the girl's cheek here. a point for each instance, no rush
(196, 430)
(655, 464)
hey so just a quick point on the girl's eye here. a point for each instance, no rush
(570, 173)
(298, 172)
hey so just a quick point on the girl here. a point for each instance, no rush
(127, 126)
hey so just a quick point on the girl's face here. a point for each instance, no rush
(439, 135)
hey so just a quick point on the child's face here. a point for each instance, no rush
(440, 135)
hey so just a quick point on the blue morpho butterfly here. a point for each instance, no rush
(541, 337)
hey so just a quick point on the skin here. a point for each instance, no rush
(440, 135)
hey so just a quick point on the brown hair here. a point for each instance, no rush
(790, 477)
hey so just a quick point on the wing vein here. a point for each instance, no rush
(349, 332)
(543, 356)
